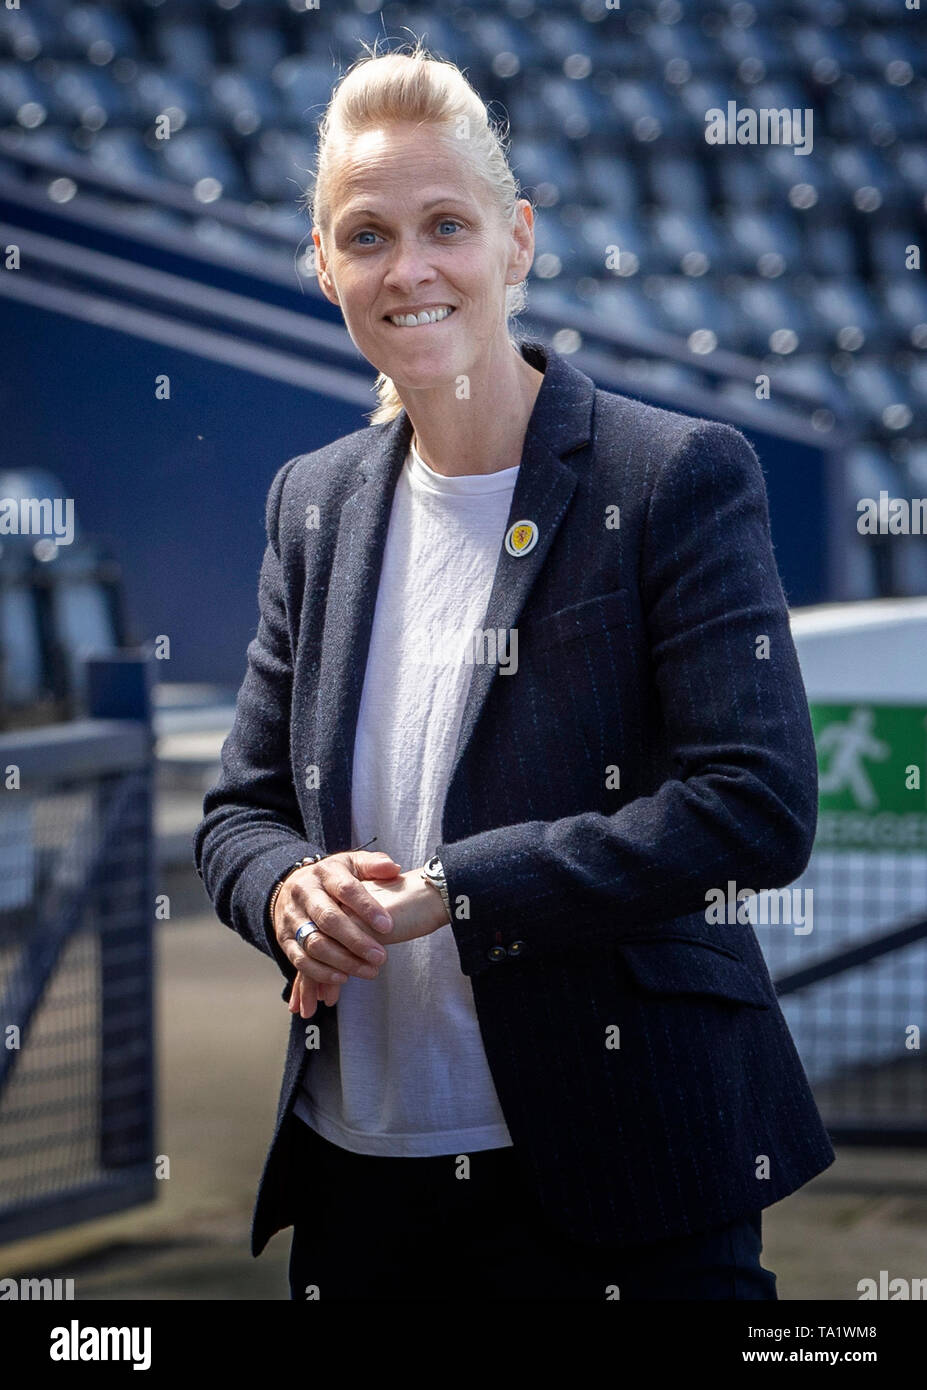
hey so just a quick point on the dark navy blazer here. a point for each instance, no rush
(653, 744)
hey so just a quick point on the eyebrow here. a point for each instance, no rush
(426, 207)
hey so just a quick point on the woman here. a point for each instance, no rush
(529, 638)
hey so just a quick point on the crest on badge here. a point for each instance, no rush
(521, 537)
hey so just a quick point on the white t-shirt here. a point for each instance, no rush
(403, 1070)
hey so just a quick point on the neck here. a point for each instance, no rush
(485, 432)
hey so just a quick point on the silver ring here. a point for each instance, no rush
(306, 930)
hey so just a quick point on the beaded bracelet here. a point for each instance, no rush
(313, 859)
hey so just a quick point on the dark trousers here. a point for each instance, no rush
(410, 1229)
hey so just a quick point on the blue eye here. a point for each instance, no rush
(366, 232)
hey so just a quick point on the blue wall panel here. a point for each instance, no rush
(176, 487)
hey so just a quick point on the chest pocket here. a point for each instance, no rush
(585, 619)
(581, 707)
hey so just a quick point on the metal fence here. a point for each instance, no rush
(853, 989)
(77, 1080)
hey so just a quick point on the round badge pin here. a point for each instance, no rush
(521, 537)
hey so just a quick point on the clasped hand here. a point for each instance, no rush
(356, 920)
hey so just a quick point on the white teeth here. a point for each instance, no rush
(426, 316)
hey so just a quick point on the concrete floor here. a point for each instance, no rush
(222, 1030)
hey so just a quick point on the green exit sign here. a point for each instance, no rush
(872, 760)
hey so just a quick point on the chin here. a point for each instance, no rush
(420, 381)
(432, 370)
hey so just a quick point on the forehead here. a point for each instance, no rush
(399, 157)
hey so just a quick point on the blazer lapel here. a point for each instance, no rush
(352, 596)
(560, 423)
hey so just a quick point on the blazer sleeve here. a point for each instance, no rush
(743, 801)
(252, 830)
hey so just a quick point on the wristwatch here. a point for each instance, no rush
(433, 872)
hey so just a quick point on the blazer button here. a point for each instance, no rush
(517, 948)
(496, 953)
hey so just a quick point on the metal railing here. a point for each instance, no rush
(77, 1082)
(854, 992)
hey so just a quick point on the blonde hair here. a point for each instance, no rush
(415, 87)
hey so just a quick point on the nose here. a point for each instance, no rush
(408, 265)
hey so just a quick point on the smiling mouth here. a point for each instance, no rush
(422, 320)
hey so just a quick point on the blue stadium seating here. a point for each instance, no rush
(798, 261)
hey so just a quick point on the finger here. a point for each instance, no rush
(324, 950)
(308, 999)
(305, 994)
(304, 898)
(320, 958)
(365, 864)
(347, 941)
(329, 994)
(351, 893)
(315, 971)
(321, 968)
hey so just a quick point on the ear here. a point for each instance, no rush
(523, 233)
(326, 283)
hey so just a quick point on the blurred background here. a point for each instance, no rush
(166, 348)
